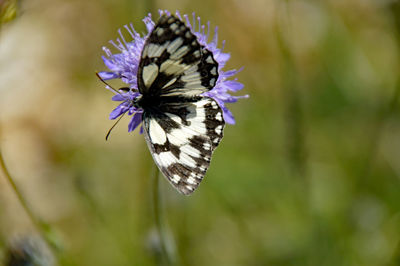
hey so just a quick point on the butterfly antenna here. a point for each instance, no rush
(108, 86)
(109, 131)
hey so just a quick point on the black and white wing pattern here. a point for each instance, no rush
(181, 127)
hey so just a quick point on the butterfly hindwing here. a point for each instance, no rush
(182, 138)
(174, 63)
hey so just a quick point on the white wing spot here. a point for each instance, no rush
(191, 180)
(210, 60)
(192, 78)
(160, 31)
(188, 34)
(180, 136)
(187, 160)
(196, 117)
(154, 50)
(174, 45)
(165, 158)
(169, 83)
(212, 81)
(214, 105)
(176, 179)
(173, 26)
(190, 150)
(206, 146)
(172, 67)
(180, 53)
(156, 133)
(189, 187)
(196, 53)
(218, 129)
(219, 116)
(214, 71)
(150, 73)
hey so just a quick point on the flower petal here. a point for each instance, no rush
(105, 75)
(118, 97)
(228, 116)
(109, 62)
(122, 108)
(222, 58)
(135, 121)
(233, 85)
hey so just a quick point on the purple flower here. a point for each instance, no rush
(124, 66)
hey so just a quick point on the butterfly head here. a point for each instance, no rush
(137, 102)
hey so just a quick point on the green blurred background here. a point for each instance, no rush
(309, 175)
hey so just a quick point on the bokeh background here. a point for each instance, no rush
(309, 175)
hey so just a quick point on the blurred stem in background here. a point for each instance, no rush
(44, 229)
(395, 11)
(92, 206)
(294, 113)
(387, 109)
(166, 242)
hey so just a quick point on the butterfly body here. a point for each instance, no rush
(182, 128)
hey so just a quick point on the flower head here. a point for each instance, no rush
(124, 65)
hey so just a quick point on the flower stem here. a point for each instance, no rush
(295, 124)
(40, 226)
(158, 218)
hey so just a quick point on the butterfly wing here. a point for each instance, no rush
(173, 63)
(182, 138)
(181, 127)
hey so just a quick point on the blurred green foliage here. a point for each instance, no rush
(8, 10)
(309, 175)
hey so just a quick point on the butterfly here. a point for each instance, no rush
(182, 128)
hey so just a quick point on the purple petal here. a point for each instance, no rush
(228, 116)
(222, 58)
(230, 73)
(149, 23)
(118, 97)
(233, 85)
(135, 121)
(111, 64)
(105, 75)
(231, 99)
(122, 108)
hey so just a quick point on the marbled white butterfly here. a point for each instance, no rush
(182, 128)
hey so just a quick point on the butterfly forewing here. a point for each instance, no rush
(181, 127)
(174, 63)
(182, 139)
